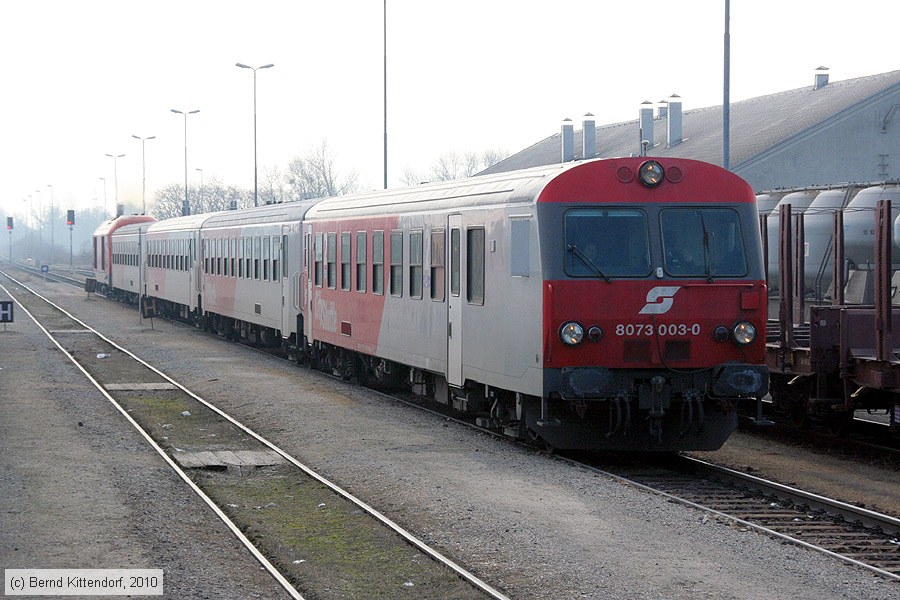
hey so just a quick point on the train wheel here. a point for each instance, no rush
(839, 422)
(361, 370)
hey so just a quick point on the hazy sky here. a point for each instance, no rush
(81, 77)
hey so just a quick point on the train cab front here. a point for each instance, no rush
(653, 317)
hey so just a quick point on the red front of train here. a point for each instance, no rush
(654, 305)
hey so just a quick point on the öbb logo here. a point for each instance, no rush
(660, 300)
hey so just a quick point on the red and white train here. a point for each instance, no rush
(607, 304)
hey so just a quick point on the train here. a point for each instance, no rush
(607, 304)
(833, 276)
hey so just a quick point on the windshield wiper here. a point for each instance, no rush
(587, 261)
(707, 250)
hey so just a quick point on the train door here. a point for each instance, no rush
(196, 271)
(455, 303)
(308, 262)
(288, 291)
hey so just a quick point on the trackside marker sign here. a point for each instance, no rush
(6, 311)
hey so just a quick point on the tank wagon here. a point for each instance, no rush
(828, 360)
(606, 304)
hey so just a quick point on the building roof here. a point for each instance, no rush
(757, 124)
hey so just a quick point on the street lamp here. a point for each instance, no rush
(186, 207)
(116, 158)
(40, 226)
(51, 221)
(30, 219)
(255, 169)
(143, 171)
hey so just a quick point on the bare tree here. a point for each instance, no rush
(213, 197)
(315, 176)
(451, 165)
(272, 188)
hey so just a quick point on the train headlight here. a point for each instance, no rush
(721, 333)
(651, 173)
(595, 334)
(571, 333)
(744, 333)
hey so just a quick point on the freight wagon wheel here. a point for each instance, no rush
(839, 422)
(791, 400)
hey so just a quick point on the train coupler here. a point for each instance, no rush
(692, 412)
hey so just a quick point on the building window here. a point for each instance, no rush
(378, 262)
(345, 260)
(360, 261)
(415, 264)
(475, 266)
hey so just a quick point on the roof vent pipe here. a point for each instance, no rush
(821, 77)
(663, 109)
(646, 124)
(568, 141)
(588, 136)
(673, 123)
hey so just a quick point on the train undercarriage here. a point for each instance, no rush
(650, 413)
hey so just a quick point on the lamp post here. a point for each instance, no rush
(40, 227)
(105, 207)
(186, 207)
(30, 219)
(51, 222)
(385, 98)
(255, 170)
(143, 170)
(116, 158)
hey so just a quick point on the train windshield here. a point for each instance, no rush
(607, 242)
(703, 242)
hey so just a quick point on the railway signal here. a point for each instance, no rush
(70, 221)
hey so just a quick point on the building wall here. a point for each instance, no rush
(845, 148)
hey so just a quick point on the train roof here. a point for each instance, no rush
(582, 181)
(111, 225)
(270, 213)
(190, 222)
(485, 190)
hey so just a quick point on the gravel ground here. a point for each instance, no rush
(79, 488)
(526, 523)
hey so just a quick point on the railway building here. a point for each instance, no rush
(822, 134)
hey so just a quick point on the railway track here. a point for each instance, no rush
(258, 490)
(854, 535)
